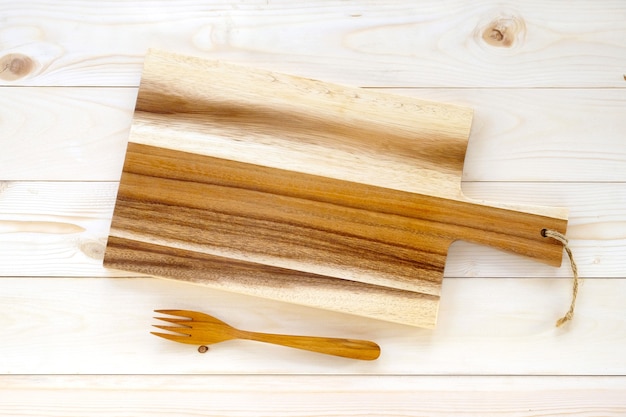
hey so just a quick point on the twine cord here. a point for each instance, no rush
(561, 238)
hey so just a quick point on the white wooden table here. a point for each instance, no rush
(547, 80)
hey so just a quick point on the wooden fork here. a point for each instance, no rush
(201, 329)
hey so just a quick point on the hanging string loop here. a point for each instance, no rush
(561, 238)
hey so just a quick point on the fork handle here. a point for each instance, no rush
(347, 348)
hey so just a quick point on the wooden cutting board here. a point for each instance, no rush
(303, 191)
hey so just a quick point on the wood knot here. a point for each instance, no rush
(93, 249)
(503, 31)
(15, 66)
(4, 185)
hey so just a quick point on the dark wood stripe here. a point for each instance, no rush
(283, 284)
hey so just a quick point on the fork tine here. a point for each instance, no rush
(194, 315)
(174, 329)
(174, 337)
(182, 322)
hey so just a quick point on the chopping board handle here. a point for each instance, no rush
(515, 229)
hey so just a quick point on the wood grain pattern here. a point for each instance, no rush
(546, 82)
(66, 134)
(595, 226)
(289, 395)
(175, 193)
(382, 44)
(272, 282)
(486, 327)
(245, 114)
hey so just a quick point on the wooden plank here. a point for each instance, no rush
(304, 223)
(418, 308)
(286, 396)
(245, 114)
(517, 135)
(367, 44)
(486, 327)
(563, 135)
(50, 228)
(64, 133)
(596, 228)
(531, 134)
(285, 235)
